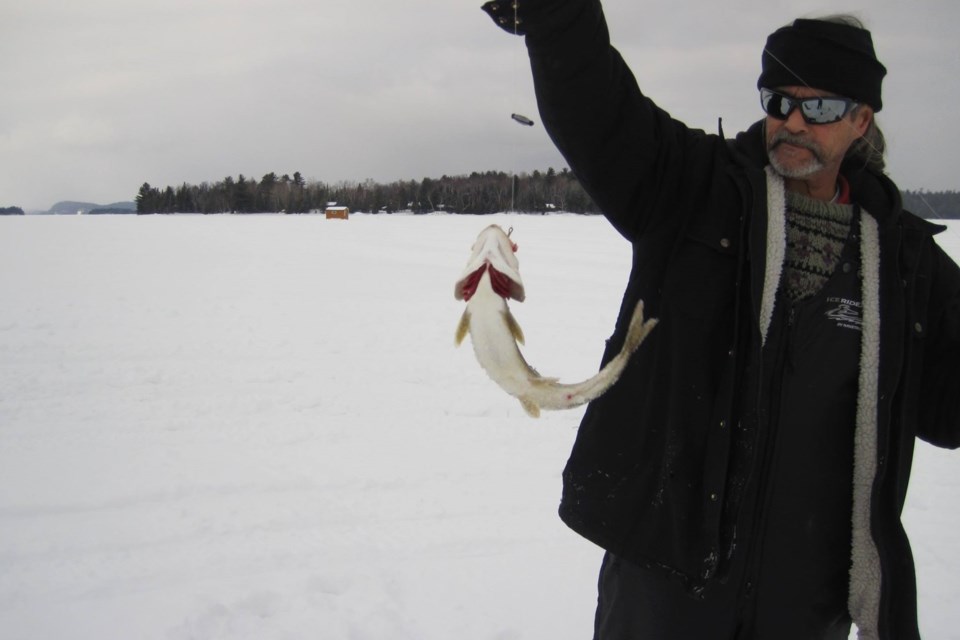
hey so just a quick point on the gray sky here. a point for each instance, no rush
(99, 96)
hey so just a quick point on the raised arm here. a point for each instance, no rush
(629, 155)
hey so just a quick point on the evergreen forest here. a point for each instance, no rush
(476, 193)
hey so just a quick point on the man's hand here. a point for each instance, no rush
(506, 15)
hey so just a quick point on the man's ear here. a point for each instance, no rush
(862, 118)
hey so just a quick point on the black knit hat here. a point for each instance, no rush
(834, 57)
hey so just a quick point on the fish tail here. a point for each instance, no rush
(565, 396)
(638, 329)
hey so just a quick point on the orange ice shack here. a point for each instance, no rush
(338, 213)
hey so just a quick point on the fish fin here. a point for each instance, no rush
(463, 328)
(514, 326)
(530, 407)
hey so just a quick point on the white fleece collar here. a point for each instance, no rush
(865, 577)
(776, 248)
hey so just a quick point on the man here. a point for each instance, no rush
(747, 473)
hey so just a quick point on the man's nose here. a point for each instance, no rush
(795, 122)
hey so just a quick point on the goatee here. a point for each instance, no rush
(812, 166)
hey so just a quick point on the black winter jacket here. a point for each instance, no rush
(649, 474)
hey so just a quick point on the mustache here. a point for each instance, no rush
(782, 136)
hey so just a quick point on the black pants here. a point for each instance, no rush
(640, 604)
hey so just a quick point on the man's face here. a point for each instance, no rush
(800, 150)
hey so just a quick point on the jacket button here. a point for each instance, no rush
(918, 327)
(725, 243)
(713, 497)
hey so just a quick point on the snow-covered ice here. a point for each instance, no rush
(258, 427)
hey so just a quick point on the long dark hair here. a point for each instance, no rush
(868, 150)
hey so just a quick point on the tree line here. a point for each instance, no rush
(489, 192)
(933, 204)
(477, 193)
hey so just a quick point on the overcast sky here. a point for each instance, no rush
(99, 96)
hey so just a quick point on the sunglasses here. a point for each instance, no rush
(813, 110)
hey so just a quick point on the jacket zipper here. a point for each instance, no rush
(781, 361)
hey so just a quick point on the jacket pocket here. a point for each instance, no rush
(701, 279)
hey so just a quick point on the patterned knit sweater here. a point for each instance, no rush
(816, 234)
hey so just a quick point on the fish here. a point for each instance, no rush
(491, 278)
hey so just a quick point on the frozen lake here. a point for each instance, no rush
(258, 427)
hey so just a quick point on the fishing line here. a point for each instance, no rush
(516, 117)
(929, 206)
(516, 93)
(864, 138)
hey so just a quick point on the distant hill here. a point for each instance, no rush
(72, 208)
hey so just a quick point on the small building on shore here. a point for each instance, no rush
(337, 213)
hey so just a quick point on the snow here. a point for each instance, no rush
(258, 427)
